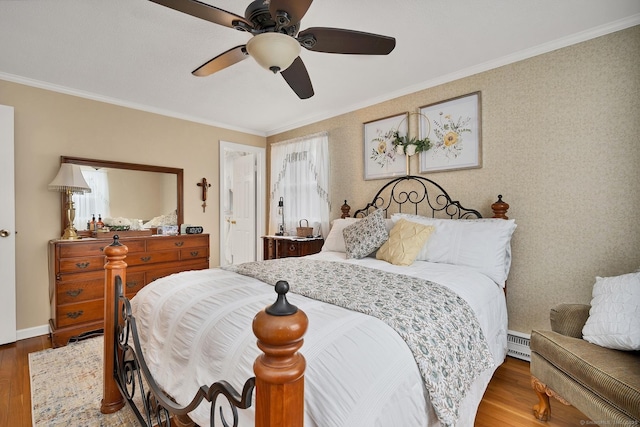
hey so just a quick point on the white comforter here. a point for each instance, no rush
(359, 371)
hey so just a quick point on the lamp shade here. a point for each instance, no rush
(69, 178)
(273, 51)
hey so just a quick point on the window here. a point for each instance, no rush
(94, 203)
(300, 176)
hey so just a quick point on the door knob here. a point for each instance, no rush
(4, 233)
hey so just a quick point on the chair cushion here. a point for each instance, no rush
(613, 375)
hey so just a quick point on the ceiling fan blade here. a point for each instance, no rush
(298, 78)
(296, 9)
(224, 60)
(205, 11)
(336, 40)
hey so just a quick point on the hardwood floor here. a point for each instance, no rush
(15, 390)
(507, 401)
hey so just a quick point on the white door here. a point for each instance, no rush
(7, 229)
(243, 218)
(242, 215)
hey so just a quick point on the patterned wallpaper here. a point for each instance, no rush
(561, 143)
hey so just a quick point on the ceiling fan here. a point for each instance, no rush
(275, 45)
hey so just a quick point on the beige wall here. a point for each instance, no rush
(561, 142)
(50, 124)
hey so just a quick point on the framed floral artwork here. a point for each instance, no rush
(454, 129)
(381, 160)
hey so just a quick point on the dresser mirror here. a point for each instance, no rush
(135, 191)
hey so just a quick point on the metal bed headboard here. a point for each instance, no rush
(416, 195)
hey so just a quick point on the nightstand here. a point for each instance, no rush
(290, 246)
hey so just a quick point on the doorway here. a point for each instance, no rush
(242, 202)
(8, 333)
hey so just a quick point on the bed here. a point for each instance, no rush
(408, 333)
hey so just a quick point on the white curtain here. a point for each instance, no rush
(300, 176)
(94, 203)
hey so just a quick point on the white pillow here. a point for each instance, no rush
(335, 240)
(614, 317)
(483, 244)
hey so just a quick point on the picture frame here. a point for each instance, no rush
(380, 158)
(455, 130)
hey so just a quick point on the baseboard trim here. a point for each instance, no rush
(518, 345)
(23, 334)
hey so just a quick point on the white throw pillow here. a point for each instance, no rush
(483, 244)
(614, 317)
(335, 241)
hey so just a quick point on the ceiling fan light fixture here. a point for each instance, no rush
(273, 51)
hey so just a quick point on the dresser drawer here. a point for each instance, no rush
(95, 247)
(191, 253)
(196, 264)
(79, 265)
(73, 314)
(152, 257)
(288, 248)
(177, 242)
(135, 282)
(80, 287)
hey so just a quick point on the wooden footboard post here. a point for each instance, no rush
(112, 400)
(280, 370)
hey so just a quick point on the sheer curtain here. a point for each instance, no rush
(300, 175)
(94, 203)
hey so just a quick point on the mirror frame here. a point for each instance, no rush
(130, 166)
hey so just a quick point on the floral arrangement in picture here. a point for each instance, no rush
(382, 151)
(454, 127)
(449, 134)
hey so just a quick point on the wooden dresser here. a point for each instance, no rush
(76, 275)
(284, 246)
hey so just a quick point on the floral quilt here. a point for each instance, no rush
(438, 325)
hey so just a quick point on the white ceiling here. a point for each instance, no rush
(140, 54)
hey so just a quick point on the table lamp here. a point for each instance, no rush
(281, 213)
(69, 180)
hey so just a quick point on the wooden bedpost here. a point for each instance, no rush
(500, 208)
(345, 210)
(112, 400)
(280, 370)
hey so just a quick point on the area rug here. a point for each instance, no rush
(66, 387)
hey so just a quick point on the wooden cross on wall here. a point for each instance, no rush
(205, 185)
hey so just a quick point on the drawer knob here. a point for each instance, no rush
(145, 258)
(132, 284)
(75, 314)
(194, 253)
(179, 244)
(74, 292)
(82, 264)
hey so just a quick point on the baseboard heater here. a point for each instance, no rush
(518, 345)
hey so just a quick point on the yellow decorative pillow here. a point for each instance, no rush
(406, 238)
